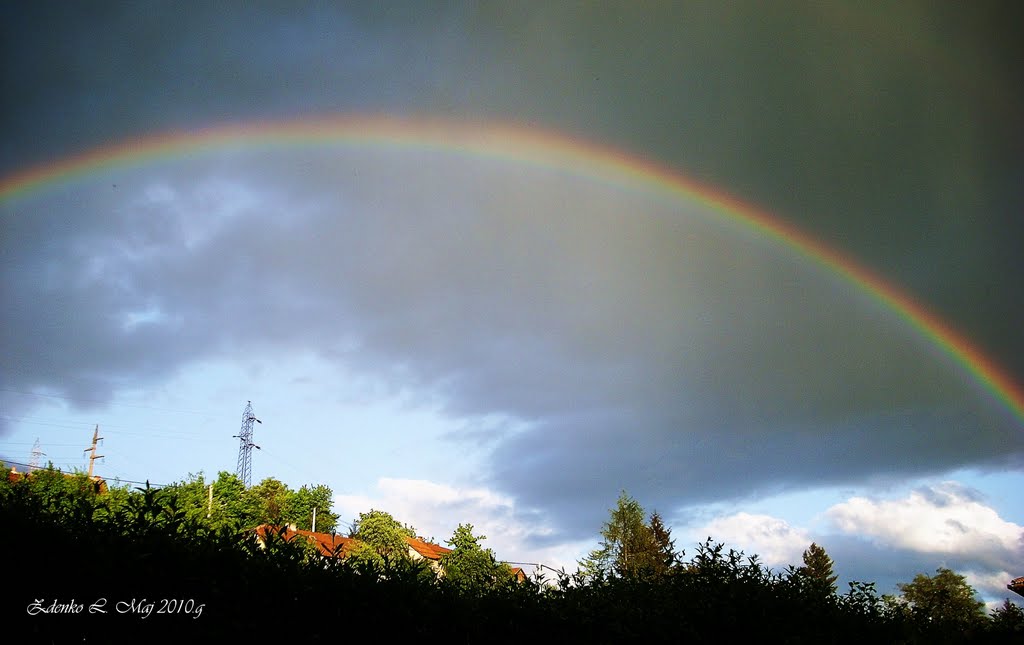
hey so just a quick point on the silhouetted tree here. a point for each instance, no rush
(469, 565)
(628, 546)
(1008, 620)
(817, 569)
(667, 558)
(943, 602)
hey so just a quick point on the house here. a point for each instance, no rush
(325, 543)
(330, 544)
(422, 550)
(1017, 586)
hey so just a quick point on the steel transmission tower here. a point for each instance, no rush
(37, 452)
(246, 445)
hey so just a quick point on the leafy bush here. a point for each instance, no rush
(141, 546)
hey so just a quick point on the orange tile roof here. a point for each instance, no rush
(326, 543)
(426, 549)
(1017, 585)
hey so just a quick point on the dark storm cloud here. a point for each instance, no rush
(685, 363)
(891, 132)
(635, 342)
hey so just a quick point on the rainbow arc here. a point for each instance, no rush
(538, 148)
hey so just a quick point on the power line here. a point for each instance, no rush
(29, 443)
(44, 423)
(78, 424)
(107, 403)
(155, 432)
(533, 564)
(117, 479)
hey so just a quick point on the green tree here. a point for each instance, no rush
(116, 503)
(299, 505)
(628, 545)
(64, 496)
(231, 506)
(382, 537)
(190, 496)
(667, 557)
(470, 566)
(1008, 620)
(944, 601)
(817, 569)
(269, 498)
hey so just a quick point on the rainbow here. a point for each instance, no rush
(538, 148)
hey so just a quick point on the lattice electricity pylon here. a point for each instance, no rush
(37, 452)
(246, 445)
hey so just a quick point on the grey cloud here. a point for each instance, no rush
(861, 124)
(949, 494)
(640, 343)
(633, 345)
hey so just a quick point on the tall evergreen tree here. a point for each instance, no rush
(628, 546)
(667, 558)
(818, 569)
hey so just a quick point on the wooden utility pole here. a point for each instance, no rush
(93, 457)
(209, 506)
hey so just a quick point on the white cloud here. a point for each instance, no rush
(436, 509)
(947, 518)
(990, 584)
(775, 541)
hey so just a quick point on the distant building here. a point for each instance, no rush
(423, 550)
(1017, 586)
(330, 544)
(326, 543)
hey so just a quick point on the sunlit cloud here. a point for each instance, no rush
(773, 540)
(435, 510)
(948, 518)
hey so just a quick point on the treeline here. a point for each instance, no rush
(151, 549)
(224, 501)
(938, 608)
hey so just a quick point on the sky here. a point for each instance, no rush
(520, 264)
